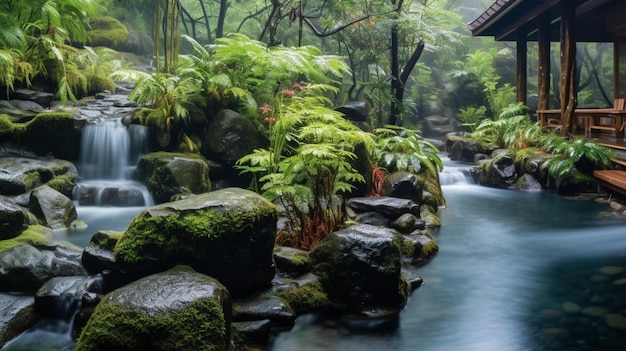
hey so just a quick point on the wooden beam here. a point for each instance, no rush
(567, 87)
(522, 21)
(543, 81)
(522, 60)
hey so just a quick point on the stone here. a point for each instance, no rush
(359, 268)
(357, 111)
(252, 332)
(262, 306)
(25, 268)
(291, 261)
(526, 183)
(178, 309)
(167, 174)
(615, 320)
(16, 315)
(13, 218)
(500, 171)
(19, 175)
(570, 307)
(98, 254)
(419, 247)
(227, 234)
(40, 97)
(304, 293)
(403, 185)
(60, 297)
(389, 206)
(407, 223)
(594, 311)
(54, 209)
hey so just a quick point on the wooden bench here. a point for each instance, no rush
(612, 179)
(611, 120)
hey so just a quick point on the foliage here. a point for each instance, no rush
(307, 163)
(399, 149)
(512, 129)
(472, 116)
(580, 153)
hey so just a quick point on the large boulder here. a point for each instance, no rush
(107, 31)
(356, 111)
(499, 171)
(227, 234)
(54, 209)
(24, 268)
(178, 309)
(167, 174)
(360, 268)
(16, 315)
(19, 175)
(14, 219)
(54, 134)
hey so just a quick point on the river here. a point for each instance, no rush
(515, 271)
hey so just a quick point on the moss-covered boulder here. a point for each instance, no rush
(360, 268)
(51, 134)
(303, 294)
(98, 254)
(24, 268)
(13, 218)
(107, 31)
(499, 171)
(178, 309)
(21, 174)
(167, 174)
(227, 234)
(54, 209)
(16, 315)
(418, 247)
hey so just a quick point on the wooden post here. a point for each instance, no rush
(522, 75)
(568, 67)
(543, 81)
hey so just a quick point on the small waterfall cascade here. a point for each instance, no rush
(454, 172)
(108, 158)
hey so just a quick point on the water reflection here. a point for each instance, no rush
(508, 263)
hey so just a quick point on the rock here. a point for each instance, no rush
(106, 31)
(54, 209)
(40, 97)
(357, 111)
(291, 261)
(54, 134)
(615, 320)
(500, 171)
(407, 223)
(21, 111)
(25, 268)
(418, 247)
(438, 126)
(359, 268)
(167, 174)
(414, 280)
(13, 218)
(462, 149)
(303, 294)
(373, 218)
(178, 309)
(98, 254)
(231, 136)
(262, 306)
(403, 185)
(570, 307)
(527, 183)
(390, 206)
(16, 315)
(60, 297)
(431, 219)
(254, 332)
(19, 175)
(227, 234)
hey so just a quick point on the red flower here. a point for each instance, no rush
(288, 93)
(298, 87)
(266, 109)
(269, 119)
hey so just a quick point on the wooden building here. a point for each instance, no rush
(566, 22)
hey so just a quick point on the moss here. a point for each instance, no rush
(406, 247)
(6, 127)
(199, 326)
(301, 259)
(305, 298)
(176, 233)
(51, 133)
(107, 31)
(99, 84)
(33, 235)
(64, 184)
(404, 289)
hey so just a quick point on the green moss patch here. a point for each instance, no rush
(305, 298)
(33, 235)
(107, 31)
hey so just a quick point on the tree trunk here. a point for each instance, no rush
(219, 31)
(568, 69)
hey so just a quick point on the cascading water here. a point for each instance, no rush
(108, 157)
(454, 173)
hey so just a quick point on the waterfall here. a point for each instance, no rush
(454, 173)
(108, 157)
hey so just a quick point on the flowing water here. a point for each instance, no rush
(515, 271)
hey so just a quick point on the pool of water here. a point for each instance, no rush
(515, 271)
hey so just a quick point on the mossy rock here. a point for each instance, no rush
(227, 234)
(168, 174)
(6, 127)
(51, 134)
(99, 84)
(33, 235)
(64, 183)
(179, 309)
(107, 31)
(303, 294)
(13, 218)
